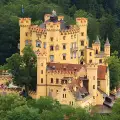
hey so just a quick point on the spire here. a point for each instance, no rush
(54, 13)
(107, 42)
(97, 40)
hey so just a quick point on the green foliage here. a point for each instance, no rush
(114, 66)
(23, 68)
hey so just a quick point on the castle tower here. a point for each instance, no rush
(96, 46)
(41, 73)
(24, 24)
(107, 48)
(92, 76)
(82, 23)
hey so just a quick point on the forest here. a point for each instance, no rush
(14, 107)
(103, 16)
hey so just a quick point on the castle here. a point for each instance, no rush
(67, 68)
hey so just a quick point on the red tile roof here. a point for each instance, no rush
(101, 72)
(64, 66)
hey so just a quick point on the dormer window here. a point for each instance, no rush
(38, 43)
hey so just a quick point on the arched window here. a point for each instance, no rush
(38, 43)
(96, 51)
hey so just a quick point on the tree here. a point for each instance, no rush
(114, 66)
(23, 68)
(23, 113)
(9, 102)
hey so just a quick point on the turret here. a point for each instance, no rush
(107, 48)
(41, 72)
(24, 24)
(96, 45)
(92, 76)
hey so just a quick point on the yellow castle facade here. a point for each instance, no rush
(67, 68)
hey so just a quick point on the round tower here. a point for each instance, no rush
(24, 24)
(107, 48)
(41, 72)
(96, 45)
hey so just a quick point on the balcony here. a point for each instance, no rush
(74, 49)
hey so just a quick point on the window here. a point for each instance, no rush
(96, 51)
(64, 37)
(56, 91)
(44, 36)
(64, 89)
(90, 53)
(98, 82)
(65, 95)
(41, 64)
(51, 39)
(82, 33)
(82, 43)
(44, 45)
(90, 61)
(51, 48)
(28, 42)
(93, 77)
(72, 102)
(74, 36)
(100, 61)
(82, 53)
(41, 71)
(38, 43)
(51, 90)
(26, 33)
(74, 54)
(93, 97)
(51, 80)
(64, 56)
(93, 86)
(51, 58)
(71, 55)
(41, 80)
(71, 36)
(64, 46)
(57, 81)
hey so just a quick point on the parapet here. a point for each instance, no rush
(82, 21)
(92, 65)
(23, 22)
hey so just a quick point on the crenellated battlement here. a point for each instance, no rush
(92, 65)
(23, 22)
(82, 21)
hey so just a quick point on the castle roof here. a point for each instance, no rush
(97, 40)
(64, 66)
(107, 42)
(101, 72)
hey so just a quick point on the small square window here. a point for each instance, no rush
(90, 61)
(82, 33)
(41, 80)
(100, 61)
(82, 43)
(90, 53)
(51, 80)
(51, 39)
(82, 53)
(64, 56)
(41, 71)
(57, 81)
(64, 46)
(51, 48)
